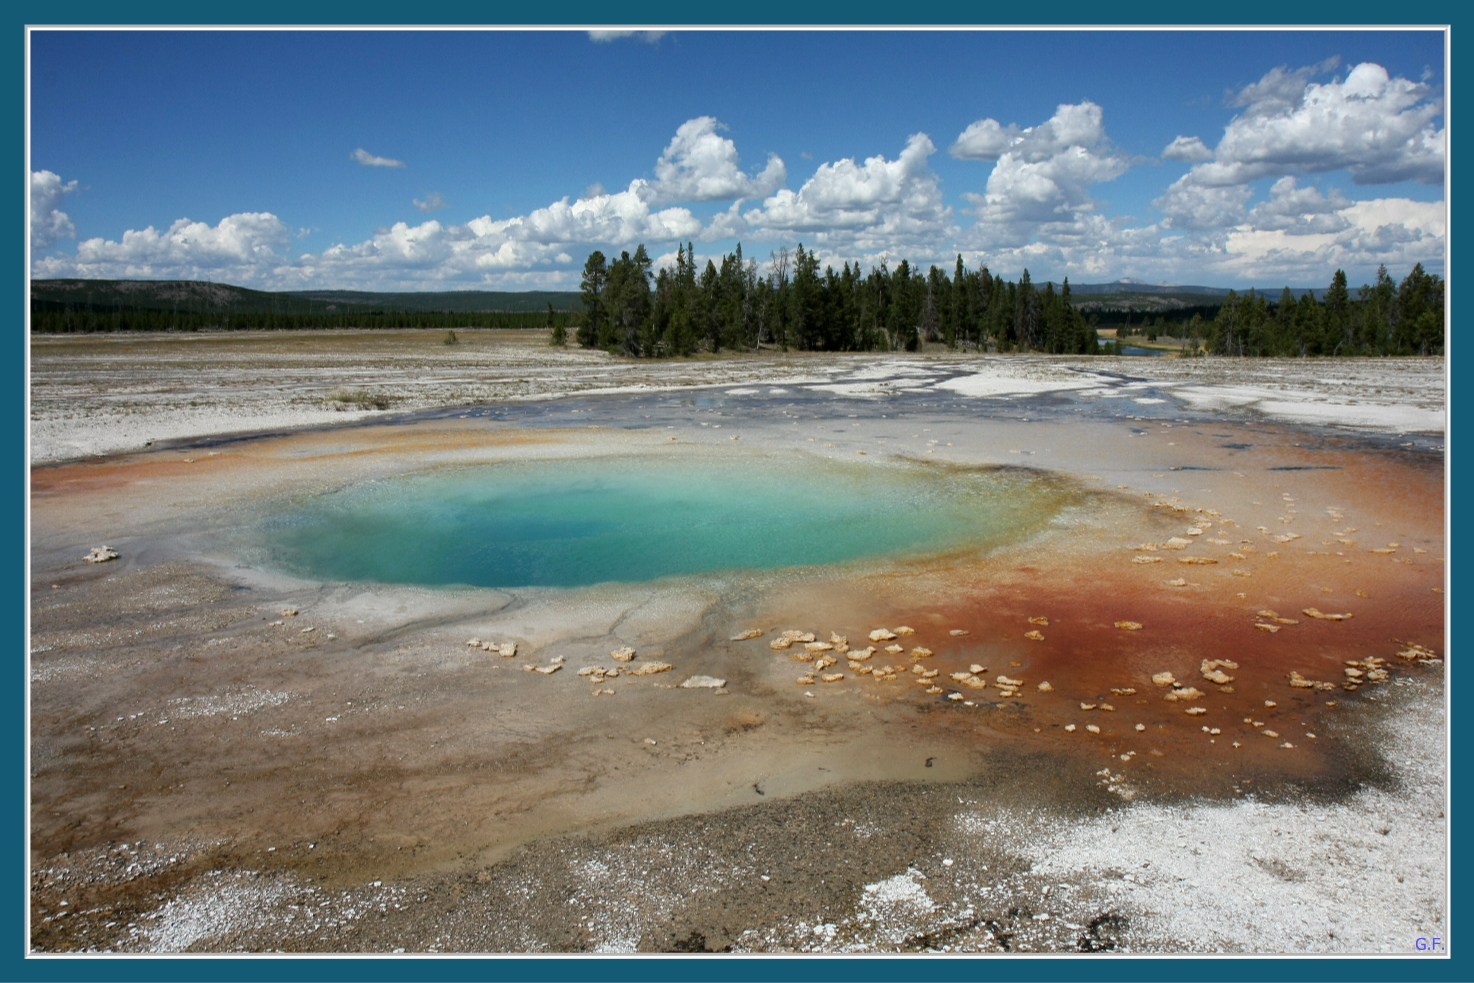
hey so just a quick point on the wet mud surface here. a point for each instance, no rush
(210, 772)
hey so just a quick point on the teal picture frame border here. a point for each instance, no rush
(15, 964)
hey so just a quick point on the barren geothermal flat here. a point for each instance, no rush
(563, 653)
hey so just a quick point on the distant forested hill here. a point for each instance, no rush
(1123, 287)
(63, 306)
(1125, 301)
(455, 300)
(166, 295)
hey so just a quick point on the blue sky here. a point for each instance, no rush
(498, 160)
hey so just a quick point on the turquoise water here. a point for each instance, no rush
(587, 521)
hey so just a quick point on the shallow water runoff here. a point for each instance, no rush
(568, 523)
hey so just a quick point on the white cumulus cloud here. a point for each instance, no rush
(1379, 129)
(399, 247)
(701, 165)
(620, 218)
(369, 160)
(729, 224)
(1077, 125)
(1279, 89)
(484, 246)
(1036, 208)
(1300, 211)
(1190, 149)
(48, 222)
(1397, 232)
(1376, 128)
(878, 204)
(1190, 205)
(245, 246)
(1046, 190)
(1297, 236)
(1038, 190)
(698, 164)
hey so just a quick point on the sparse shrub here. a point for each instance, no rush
(342, 399)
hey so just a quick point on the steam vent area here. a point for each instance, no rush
(829, 653)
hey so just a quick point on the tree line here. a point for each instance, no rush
(790, 304)
(1382, 319)
(50, 317)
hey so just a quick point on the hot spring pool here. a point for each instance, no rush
(568, 523)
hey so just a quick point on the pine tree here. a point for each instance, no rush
(1335, 323)
(591, 296)
(1419, 327)
(804, 300)
(1026, 314)
(957, 322)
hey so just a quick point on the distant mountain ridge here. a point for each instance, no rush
(1132, 286)
(457, 301)
(205, 296)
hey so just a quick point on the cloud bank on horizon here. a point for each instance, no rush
(1252, 207)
